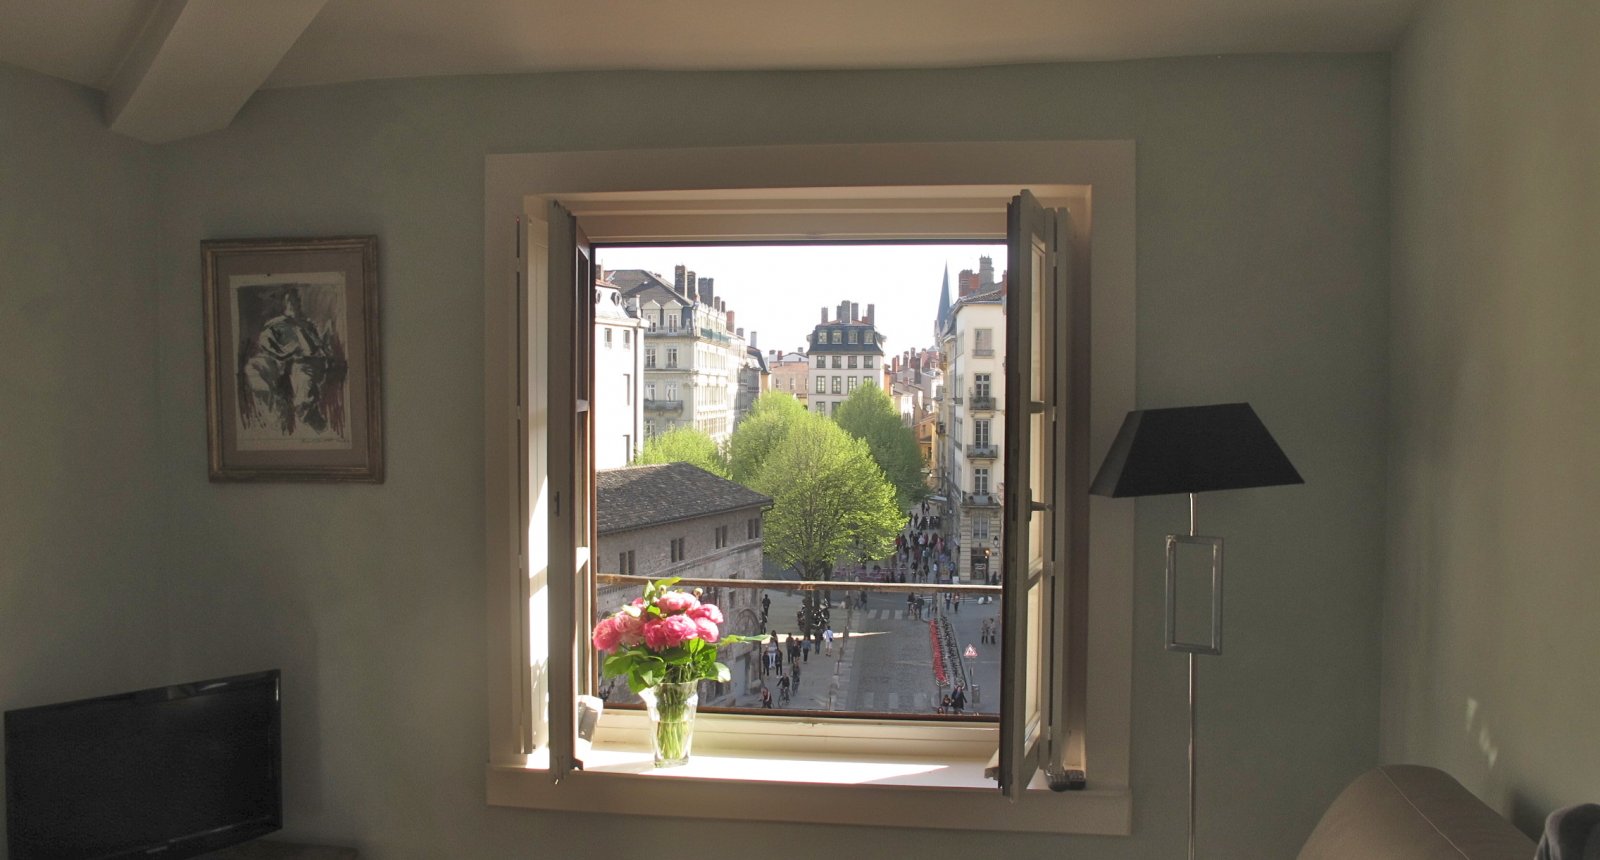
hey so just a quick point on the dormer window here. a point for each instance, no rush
(855, 336)
(837, 336)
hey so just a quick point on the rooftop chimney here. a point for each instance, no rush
(824, 314)
(690, 283)
(871, 310)
(855, 311)
(753, 340)
(739, 331)
(677, 278)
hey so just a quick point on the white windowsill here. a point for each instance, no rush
(886, 791)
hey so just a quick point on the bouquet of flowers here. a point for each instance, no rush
(665, 637)
(664, 643)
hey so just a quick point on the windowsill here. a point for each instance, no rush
(886, 791)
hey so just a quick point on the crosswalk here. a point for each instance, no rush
(892, 702)
(892, 614)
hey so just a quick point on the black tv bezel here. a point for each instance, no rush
(181, 845)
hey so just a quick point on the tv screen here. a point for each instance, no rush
(176, 771)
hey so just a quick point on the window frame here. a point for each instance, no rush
(517, 185)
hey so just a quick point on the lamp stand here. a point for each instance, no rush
(1194, 649)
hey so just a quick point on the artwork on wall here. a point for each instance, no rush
(293, 383)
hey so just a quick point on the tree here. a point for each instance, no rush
(684, 445)
(771, 418)
(870, 416)
(830, 500)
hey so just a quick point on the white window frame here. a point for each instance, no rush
(516, 190)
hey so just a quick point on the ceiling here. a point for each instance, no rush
(161, 61)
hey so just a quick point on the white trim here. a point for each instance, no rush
(847, 191)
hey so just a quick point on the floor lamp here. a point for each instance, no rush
(1192, 449)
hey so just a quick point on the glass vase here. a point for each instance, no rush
(672, 708)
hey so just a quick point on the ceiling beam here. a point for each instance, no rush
(198, 61)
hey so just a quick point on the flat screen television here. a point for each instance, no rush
(169, 772)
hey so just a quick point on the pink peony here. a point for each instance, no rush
(630, 628)
(606, 635)
(709, 612)
(676, 601)
(670, 632)
(708, 628)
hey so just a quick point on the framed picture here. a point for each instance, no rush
(293, 382)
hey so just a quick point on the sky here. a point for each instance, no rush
(779, 291)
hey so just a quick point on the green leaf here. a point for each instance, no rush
(722, 674)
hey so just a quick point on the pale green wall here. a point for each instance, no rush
(1262, 273)
(1491, 632)
(83, 606)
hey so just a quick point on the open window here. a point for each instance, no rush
(529, 649)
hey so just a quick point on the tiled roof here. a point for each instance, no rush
(638, 496)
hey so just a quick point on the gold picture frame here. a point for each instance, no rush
(293, 377)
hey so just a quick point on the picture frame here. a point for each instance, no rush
(292, 353)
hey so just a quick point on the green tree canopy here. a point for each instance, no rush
(771, 418)
(869, 415)
(684, 445)
(830, 499)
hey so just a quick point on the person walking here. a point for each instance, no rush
(766, 697)
(827, 640)
(958, 700)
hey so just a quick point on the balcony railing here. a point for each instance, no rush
(983, 452)
(981, 500)
(663, 405)
(983, 402)
(877, 623)
(983, 350)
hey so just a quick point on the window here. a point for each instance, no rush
(627, 339)
(627, 388)
(822, 360)
(836, 334)
(504, 731)
(983, 341)
(866, 361)
(980, 433)
(672, 356)
(675, 550)
(649, 357)
(608, 337)
(855, 336)
(838, 362)
(752, 528)
(980, 385)
(822, 382)
(833, 408)
(625, 564)
(837, 383)
(851, 386)
(980, 481)
(649, 391)
(980, 527)
(672, 391)
(721, 537)
(869, 380)
(851, 363)
(649, 428)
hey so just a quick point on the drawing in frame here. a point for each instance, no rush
(293, 381)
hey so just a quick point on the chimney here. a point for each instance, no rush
(824, 314)
(689, 284)
(706, 294)
(855, 311)
(871, 310)
(738, 331)
(677, 278)
(753, 340)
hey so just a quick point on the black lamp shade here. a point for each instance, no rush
(1192, 449)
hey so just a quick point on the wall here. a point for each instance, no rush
(1490, 633)
(1263, 266)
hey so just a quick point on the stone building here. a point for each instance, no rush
(676, 519)
(791, 373)
(845, 353)
(971, 462)
(618, 377)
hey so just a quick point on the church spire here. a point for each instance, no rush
(944, 304)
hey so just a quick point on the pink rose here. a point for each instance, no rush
(709, 612)
(707, 627)
(630, 628)
(669, 632)
(676, 601)
(606, 635)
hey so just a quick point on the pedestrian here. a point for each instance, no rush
(794, 673)
(957, 602)
(827, 640)
(958, 700)
(911, 600)
(766, 697)
(805, 649)
(944, 704)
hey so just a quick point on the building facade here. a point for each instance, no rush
(618, 377)
(693, 353)
(791, 373)
(845, 353)
(971, 409)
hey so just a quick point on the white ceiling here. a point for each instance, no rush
(172, 49)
